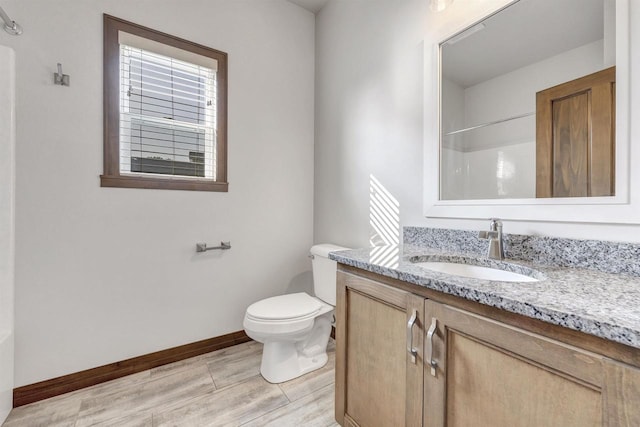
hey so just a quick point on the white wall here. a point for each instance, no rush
(105, 274)
(369, 68)
(7, 227)
(369, 112)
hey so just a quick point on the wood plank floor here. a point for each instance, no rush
(222, 388)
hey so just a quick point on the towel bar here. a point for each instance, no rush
(202, 247)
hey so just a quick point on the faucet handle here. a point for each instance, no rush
(488, 234)
(495, 224)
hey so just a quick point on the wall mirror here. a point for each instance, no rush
(532, 110)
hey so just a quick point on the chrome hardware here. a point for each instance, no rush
(496, 249)
(202, 247)
(59, 78)
(10, 26)
(311, 256)
(490, 123)
(432, 329)
(410, 349)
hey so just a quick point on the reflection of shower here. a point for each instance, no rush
(10, 26)
(505, 170)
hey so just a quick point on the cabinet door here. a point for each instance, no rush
(379, 383)
(491, 374)
(622, 394)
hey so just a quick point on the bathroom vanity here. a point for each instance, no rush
(561, 347)
(417, 347)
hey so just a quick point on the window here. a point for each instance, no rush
(164, 111)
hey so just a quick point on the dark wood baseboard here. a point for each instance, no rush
(64, 384)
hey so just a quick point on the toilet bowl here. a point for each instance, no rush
(295, 328)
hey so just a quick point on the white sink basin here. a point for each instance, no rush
(475, 271)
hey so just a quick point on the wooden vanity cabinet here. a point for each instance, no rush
(484, 372)
(490, 374)
(378, 382)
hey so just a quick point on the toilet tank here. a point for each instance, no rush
(324, 272)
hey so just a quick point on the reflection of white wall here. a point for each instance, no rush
(609, 33)
(452, 106)
(502, 97)
(515, 92)
(7, 184)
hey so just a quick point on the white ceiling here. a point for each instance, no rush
(311, 5)
(522, 34)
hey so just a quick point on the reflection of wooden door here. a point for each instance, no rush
(575, 137)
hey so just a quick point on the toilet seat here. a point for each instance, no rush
(285, 314)
(289, 307)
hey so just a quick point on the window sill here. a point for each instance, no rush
(162, 183)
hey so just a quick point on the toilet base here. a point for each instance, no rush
(281, 363)
(285, 360)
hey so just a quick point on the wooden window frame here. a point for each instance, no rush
(111, 176)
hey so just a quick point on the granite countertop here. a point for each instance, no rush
(602, 304)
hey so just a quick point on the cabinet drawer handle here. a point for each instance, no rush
(412, 321)
(432, 329)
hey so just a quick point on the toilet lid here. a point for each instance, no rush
(283, 307)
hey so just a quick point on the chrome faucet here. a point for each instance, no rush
(494, 235)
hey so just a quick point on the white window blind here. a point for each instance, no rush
(167, 116)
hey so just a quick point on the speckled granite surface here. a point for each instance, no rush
(609, 257)
(595, 302)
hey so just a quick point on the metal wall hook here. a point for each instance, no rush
(202, 247)
(13, 28)
(10, 26)
(59, 78)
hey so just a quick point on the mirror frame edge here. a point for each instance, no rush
(616, 209)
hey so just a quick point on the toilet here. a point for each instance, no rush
(295, 328)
